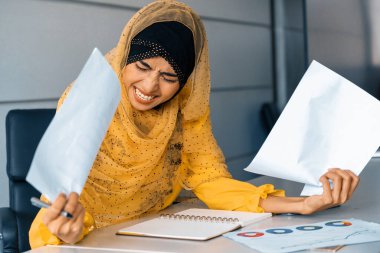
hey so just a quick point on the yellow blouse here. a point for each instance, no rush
(220, 192)
(147, 157)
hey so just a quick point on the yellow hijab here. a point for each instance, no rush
(140, 163)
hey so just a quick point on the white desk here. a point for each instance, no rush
(365, 204)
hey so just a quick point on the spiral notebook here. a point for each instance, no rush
(194, 224)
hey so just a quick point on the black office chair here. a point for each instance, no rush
(24, 129)
(269, 115)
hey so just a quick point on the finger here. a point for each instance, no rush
(55, 225)
(327, 195)
(67, 226)
(64, 229)
(72, 203)
(53, 212)
(77, 229)
(337, 185)
(79, 222)
(354, 183)
(73, 227)
(346, 184)
(78, 212)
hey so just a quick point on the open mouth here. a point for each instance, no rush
(143, 97)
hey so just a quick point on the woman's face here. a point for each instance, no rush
(149, 82)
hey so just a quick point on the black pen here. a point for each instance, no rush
(41, 204)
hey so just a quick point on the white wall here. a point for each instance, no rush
(44, 44)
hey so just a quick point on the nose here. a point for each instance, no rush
(151, 82)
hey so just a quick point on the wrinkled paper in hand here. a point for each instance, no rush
(67, 150)
(329, 122)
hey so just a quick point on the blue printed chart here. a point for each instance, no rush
(301, 237)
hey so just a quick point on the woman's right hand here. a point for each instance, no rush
(68, 230)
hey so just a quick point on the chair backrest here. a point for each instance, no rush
(269, 115)
(24, 129)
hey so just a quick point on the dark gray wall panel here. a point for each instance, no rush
(45, 47)
(56, 35)
(236, 166)
(344, 36)
(45, 43)
(254, 11)
(236, 122)
(290, 47)
(293, 14)
(336, 16)
(240, 55)
(295, 59)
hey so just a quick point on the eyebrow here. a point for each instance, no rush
(168, 74)
(145, 64)
(162, 73)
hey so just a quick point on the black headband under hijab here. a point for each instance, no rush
(172, 41)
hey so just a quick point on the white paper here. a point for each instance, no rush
(308, 236)
(328, 122)
(67, 150)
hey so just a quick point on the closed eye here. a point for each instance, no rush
(169, 80)
(141, 68)
(144, 66)
(168, 77)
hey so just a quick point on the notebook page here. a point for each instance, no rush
(194, 224)
(179, 229)
(245, 218)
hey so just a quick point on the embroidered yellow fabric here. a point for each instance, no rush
(147, 157)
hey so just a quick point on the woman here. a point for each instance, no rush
(160, 139)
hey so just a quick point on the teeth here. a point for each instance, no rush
(142, 96)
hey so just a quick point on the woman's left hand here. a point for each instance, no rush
(344, 183)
